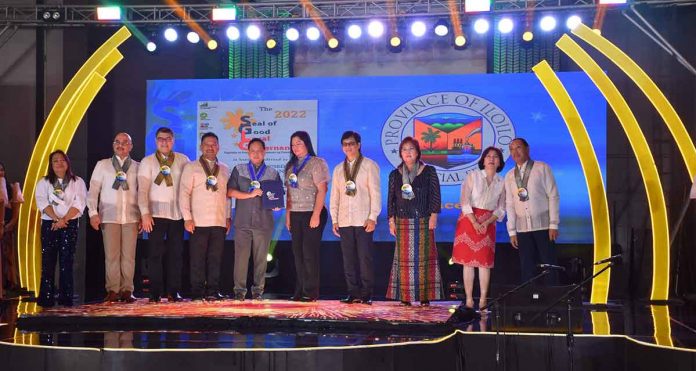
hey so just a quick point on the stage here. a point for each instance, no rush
(283, 335)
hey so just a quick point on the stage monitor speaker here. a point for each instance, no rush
(518, 311)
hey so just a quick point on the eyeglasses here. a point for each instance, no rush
(349, 144)
(165, 139)
(124, 143)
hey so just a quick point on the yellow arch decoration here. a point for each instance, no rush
(646, 163)
(57, 132)
(600, 323)
(663, 328)
(599, 206)
(651, 91)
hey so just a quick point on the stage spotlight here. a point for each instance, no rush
(269, 257)
(460, 41)
(333, 43)
(527, 36)
(292, 34)
(271, 43)
(232, 33)
(477, 6)
(225, 14)
(151, 47)
(313, 33)
(547, 23)
(193, 37)
(354, 31)
(607, 2)
(375, 28)
(212, 44)
(418, 28)
(50, 16)
(573, 21)
(253, 32)
(170, 34)
(441, 28)
(395, 41)
(597, 31)
(108, 13)
(505, 25)
(481, 26)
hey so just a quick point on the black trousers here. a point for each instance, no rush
(356, 246)
(536, 248)
(57, 245)
(205, 250)
(166, 241)
(306, 243)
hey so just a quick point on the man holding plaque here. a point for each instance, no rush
(253, 223)
(532, 205)
(113, 208)
(206, 211)
(355, 204)
(158, 190)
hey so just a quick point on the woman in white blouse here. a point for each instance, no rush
(483, 203)
(61, 198)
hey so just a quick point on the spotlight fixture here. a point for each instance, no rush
(354, 31)
(271, 43)
(528, 36)
(547, 23)
(460, 42)
(505, 25)
(418, 28)
(441, 28)
(395, 41)
(170, 34)
(375, 28)
(313, 33)
(481, 26)
(151, 46)
(50, 15)
(228, 13)
(573, 21)
(253, 32)
(212, 44)
(108, 13)
(292, 34)
(232, 33)
(612, 2)
(477, 6)
(193, 37)
(333, 43)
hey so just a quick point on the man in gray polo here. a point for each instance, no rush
(253, 224)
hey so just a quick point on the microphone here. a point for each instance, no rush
(551, 266)
(614, 259)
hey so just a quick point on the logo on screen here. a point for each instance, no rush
(452, 129)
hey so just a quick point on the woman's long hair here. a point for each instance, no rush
(304, 137)
(51, 176)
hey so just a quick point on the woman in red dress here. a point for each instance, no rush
(483, 203)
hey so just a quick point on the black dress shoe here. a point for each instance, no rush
(350, 300)
(295, 298)
(215, 297)
(155, 299)
(174, 298)
(425, 303)
(306, 299)
(367, 301)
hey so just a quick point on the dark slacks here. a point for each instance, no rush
(252, 242)
(57, 245)
(205, 250)
(306, 243)
(536, 248)
(356, 246)
(166, 241)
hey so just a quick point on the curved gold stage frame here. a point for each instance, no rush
(57, 133)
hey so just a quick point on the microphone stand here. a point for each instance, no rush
(496, 308)
(570, 340)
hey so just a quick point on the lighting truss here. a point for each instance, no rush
(80, 15)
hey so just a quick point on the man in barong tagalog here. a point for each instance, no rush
(532, 206)
(113, 207)
(355, 204)
(158, 198)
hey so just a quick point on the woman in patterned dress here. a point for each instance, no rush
(483, 203)
(413, 204)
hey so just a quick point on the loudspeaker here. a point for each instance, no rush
(518, 311)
